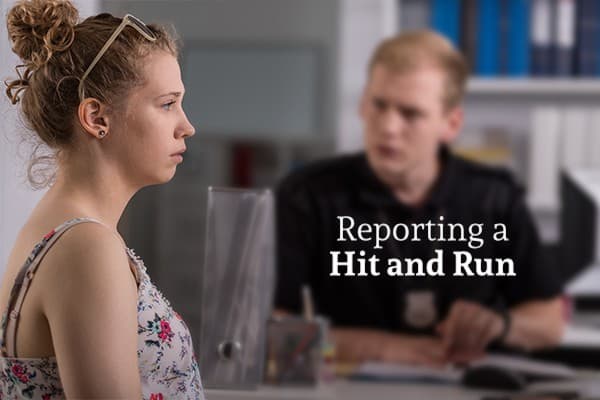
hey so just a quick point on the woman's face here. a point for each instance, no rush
(149, 138)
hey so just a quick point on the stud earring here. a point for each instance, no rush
(101, 134)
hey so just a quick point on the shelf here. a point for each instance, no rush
(534, 86)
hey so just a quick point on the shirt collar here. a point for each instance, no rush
(373, 191)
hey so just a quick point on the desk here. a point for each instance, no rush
(348, 390)
(587, 383)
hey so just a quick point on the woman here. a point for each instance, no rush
(82, 319)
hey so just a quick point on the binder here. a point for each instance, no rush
(541, 37)
(564, 37)
(587, 46)
(468, 30)
(517, 45)
(545, 125)
(504, 29)
(487, 62)
(574, 136)
(593, 146)
(237, 287)
(445, 19)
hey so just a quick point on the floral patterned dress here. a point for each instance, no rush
(167, 364)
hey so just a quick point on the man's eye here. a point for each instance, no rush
(167, 106)
(411, 114)
(379, 104)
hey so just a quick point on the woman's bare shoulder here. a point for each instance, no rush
(88, 258)
(90, 302)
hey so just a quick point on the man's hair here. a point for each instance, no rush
(409, 51)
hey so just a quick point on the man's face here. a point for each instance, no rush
(405, 120)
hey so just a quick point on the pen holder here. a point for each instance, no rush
(294, 350)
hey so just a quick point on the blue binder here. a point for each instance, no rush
(445, 18)
(488, 43)
(518, 38)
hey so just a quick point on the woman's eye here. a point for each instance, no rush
(167, 106)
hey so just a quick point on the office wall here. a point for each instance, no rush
(311, 22)
(363, 24)
(17, 199)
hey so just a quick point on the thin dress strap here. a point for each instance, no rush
(23, 280)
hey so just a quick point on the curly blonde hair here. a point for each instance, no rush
(56, 49)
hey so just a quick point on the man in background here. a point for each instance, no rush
(411, 110)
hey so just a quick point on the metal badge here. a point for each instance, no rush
(420, 311)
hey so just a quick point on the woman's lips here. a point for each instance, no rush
(178, 156)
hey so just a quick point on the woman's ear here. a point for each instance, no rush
(93, 118)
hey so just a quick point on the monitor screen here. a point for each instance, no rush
(579, 220)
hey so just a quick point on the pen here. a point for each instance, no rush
(307, 303)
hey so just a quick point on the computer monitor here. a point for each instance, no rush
(580, 225)
(580, 198)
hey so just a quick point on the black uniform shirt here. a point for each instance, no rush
(310, 200)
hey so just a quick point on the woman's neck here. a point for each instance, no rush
(100, 196)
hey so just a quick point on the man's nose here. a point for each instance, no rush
(391, 122)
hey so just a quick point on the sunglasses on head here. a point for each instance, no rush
(128, 20)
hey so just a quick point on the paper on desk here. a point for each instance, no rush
(401, 372)
(585, 283)
(581, 336)
(531, 368)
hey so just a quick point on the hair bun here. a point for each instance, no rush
(39, 28)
